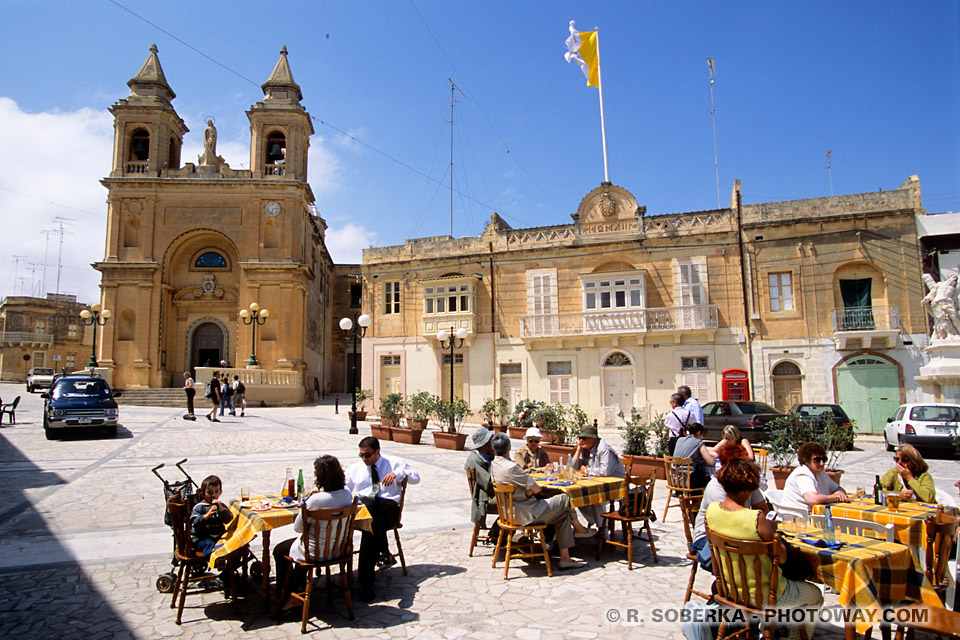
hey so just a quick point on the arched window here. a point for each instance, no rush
(276, 154)
(786, 369)
(140, 145)
(865, 360)
(210, 260)
(617, 360)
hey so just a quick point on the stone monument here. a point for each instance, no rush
(941, 376)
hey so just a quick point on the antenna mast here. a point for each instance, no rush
(62, 231)
(829, 169)
(713, 113)
(453, 101)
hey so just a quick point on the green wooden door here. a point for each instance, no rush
(869, 391)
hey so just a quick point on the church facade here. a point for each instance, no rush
(191, 245)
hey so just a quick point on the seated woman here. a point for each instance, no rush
(731, 435)
(329, 493)
(910, 477)
(732, 518)
(809, 484)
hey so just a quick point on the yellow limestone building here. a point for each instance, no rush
(811, 300)
(190, 245)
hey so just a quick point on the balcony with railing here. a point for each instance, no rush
(25, 338)
(275, 170)
(676, 320)
(866, 327)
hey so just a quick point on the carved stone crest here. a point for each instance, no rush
(608, 206)
(208, 287)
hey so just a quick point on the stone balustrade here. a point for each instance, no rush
(659, 319)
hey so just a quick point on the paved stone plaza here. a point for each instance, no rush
(84, 540)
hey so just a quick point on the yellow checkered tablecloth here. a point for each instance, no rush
(867, 573)
(586, 490)
(247, 523)
(908, 522)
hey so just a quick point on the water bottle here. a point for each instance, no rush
(829, 531)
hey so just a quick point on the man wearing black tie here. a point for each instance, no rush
(377, 482)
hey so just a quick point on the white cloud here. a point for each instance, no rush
(51, 165)
(346, 243)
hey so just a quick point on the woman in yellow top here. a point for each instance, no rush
(910, 477)
(733, 519)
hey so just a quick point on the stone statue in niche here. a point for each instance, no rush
(941, 303)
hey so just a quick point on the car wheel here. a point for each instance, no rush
(50, 434)
(111, 431)
(29, 389)
(889, 446)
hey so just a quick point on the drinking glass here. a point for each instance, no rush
(244, 493)
(861, 493)
(893, 501)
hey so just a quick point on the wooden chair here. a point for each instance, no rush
(737, 564)
(396, 528)
(941, 533)
(760, 456)
(491, 509)
(192, 565)
(330, 533)
(690, 506)
(678, 479)
(636, 508)
(509, 525)
(858, 527)
(10, 409)
(916, 616)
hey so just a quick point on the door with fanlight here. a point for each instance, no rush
(389, 375)
(787, 386)
(510, 383)
(618, 386)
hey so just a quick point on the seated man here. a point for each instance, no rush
(376, 481)
(809, 484)
(595, 457)
(527, 507)
(481, 455)
(531, 457)
(691, 446)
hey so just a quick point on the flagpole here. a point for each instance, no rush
(603, 124)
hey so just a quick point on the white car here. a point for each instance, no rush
(922, 425)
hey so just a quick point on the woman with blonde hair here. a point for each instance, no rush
(911, 477)
(731, 435)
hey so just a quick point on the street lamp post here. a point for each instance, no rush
(96, 318)
(357, 328)
(253, 317)
(442, 337)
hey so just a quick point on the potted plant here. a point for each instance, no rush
(391, 409)
(522, 419)
(362, 396)
(645, 443)
(552, 421)
(784, 436)
(493, 411)
(419, 406)
(451, 415)
(837, 438)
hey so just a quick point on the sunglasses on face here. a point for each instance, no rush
(537, 440)
(366, 455)
(898, 459)
(821, 459)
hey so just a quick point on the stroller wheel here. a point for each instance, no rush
(165, 582)
(256, 570)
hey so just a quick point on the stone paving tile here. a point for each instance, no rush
(58, 493)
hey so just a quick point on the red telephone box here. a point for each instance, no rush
(736, 385)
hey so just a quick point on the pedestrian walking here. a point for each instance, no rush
(213, 392)
(239, 396)
(189, 389)
(226, 395)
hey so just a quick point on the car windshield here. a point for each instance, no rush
(819, 410)
(935, 414)
(755, 407)
(40, 371)
(81, 389)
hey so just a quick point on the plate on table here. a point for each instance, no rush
(263, 506)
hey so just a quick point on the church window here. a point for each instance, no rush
(276, 154)
(211, 259)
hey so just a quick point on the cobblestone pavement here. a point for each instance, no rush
(81, 525)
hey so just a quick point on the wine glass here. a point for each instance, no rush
(861, 494)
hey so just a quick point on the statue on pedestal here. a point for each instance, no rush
(209, 157)
(941, 303)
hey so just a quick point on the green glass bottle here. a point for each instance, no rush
(300, 485)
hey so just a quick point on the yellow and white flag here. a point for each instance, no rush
(582, 49)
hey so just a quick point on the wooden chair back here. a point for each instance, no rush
(179, 513)
(760, 456)
(941, 534)
(639, 496)
(403, 498)
(327, 533)
(678, 472)
(738, 566)
(689, 508)
(504, 493)
(471, 480)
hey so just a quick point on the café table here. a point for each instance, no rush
(584, 491)
(908, 522)
(867, 573)
(247, 523)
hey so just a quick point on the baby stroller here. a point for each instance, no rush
(186, 490)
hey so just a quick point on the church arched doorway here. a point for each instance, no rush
(207, 345)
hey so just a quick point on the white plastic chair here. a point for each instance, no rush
(857, 527)
(945, 499)
(775, 496)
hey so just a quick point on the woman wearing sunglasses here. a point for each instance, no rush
(910, 478)
(809, 483)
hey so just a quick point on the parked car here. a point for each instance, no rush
(922, 425)
(79, 401)
(750, 417)
(39, 378)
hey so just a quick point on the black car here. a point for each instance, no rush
(750, 417)
(79, 401)
(813, 413)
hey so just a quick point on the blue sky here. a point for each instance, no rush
(875, 83)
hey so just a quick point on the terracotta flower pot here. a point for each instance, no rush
(556, 451)
(645, 466)
(500, 428)
(379, 431)
(413, 423)
(388, 422)
(361, 415)
(451, 441)
(835, 474)
(406, 436)
(517, 433)
(780, 475)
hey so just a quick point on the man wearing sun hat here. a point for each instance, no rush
(531, 456)
(595, 457)
(481, 455)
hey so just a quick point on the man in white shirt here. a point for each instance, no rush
(677, 421)
(690, 403)
(377, 480)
